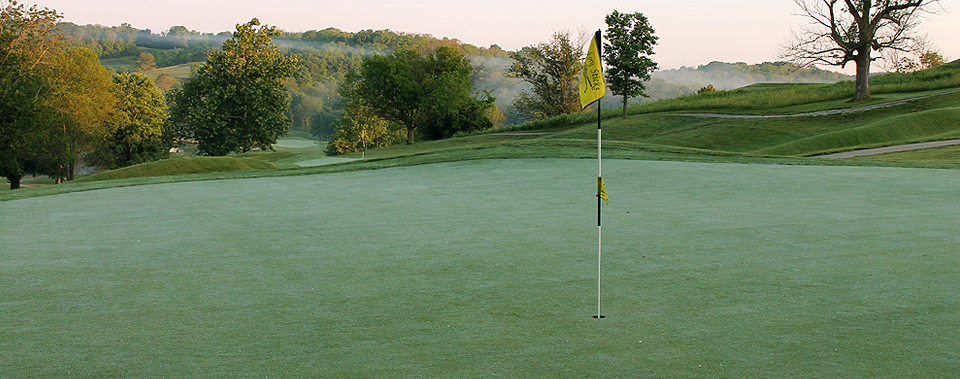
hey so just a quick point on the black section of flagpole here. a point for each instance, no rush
(599, 46)
(598, 210)
(599, 53)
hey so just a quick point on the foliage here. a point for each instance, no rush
(146, 62)
(905, 62)
(322, 124)
(139, 131)
(27, 133)
(552, 68)
(470, 116)
(708, 89)
(84, 98)
(931, 59)
(418, 90)
(849, 31)
(359, 129)
(326, 56)
(630, 41)
(166, 82)
(237, 100)
(106, 42)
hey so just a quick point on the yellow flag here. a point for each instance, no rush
(592, 87)
(602, 190)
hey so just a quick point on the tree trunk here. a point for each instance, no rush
(863, 74)
(410, 134)
(71, 170)
(14, 182)
(624, 107)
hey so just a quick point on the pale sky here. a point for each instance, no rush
(691, 32)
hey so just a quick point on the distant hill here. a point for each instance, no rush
(724, 76)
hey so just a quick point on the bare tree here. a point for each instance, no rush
(841, 31)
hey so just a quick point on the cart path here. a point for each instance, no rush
(890, 149)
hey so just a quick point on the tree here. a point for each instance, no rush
(146, 62)
(303, 106)
(850, 30)
(27, 36)
(322, 124)
(359, 128)
(417, 90)
(165, 82)
(708, 89)
(237, 100)
(931, 59)
(138, 131)
(552, 69)
(627, 53)
(472, 114)
(84, 100)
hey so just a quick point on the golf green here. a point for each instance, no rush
(488, 268)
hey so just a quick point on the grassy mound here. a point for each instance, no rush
(183, 166)
(906, 128)
(924, 119)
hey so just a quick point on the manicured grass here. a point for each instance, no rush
(182, 166)
(921, 120)
(488, 268)
(948, 154)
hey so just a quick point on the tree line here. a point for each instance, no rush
(370, 88)
(327, 56)
(60, 106)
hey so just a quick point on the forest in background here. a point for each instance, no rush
(328, 54)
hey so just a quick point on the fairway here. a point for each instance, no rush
(488, 268)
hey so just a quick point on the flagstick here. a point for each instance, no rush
(592, 90)
(599, 207)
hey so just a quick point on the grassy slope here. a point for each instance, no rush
(927, 119)
(180, 72)
(182, 166)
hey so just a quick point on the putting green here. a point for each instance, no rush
(488, 268)
(295, 143)
(324, 161)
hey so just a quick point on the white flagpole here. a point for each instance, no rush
(599, 207)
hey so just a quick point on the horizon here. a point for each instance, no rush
(762, 25)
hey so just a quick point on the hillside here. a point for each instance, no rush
(727, 76)
(328, 54)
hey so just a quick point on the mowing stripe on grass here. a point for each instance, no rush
(485, 268)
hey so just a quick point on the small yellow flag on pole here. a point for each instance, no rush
(592, 87)
(602, 190)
